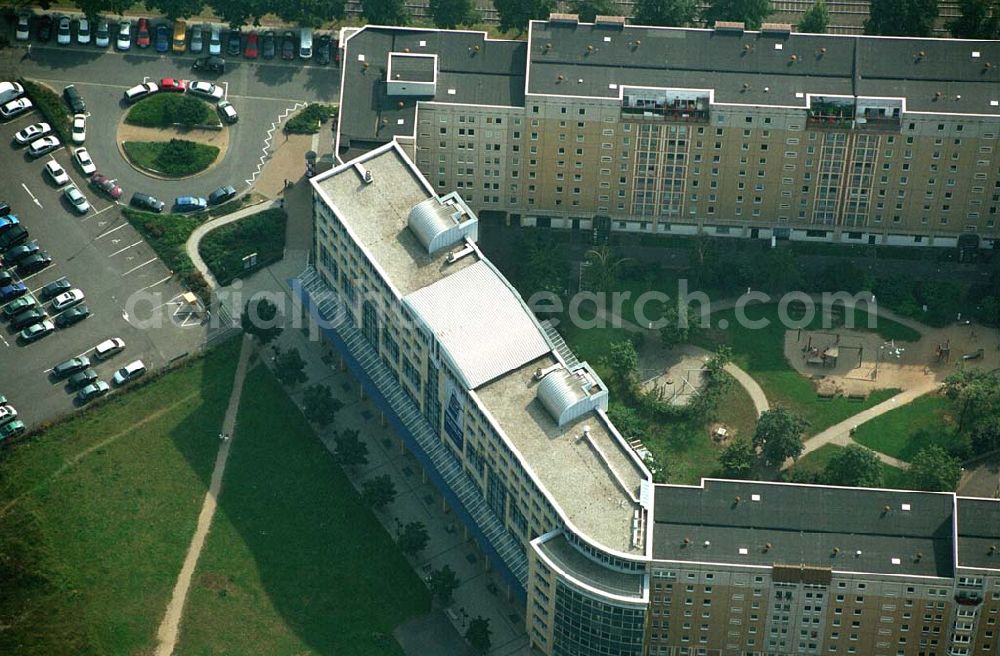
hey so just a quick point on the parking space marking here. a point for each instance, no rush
(78, 355)
(108, 232)
(225, 94)
(45, 270)
(5, 343)
(37, 202)
(98, 212)
(136, 268)
(122, 250)
(158, 282)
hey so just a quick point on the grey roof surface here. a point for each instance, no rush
(978, 531)
(823, 65)
(576, 476)
(804, 524)
(410, 68)
(570, 560)
(481, 323)
(378, 213)
(491, 75)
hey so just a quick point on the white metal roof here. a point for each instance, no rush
(480, 322)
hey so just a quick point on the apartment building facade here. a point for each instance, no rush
(609, 126)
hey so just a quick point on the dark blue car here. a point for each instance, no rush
(189, 204)
(8, 221)
(10, 292)
(162, 40)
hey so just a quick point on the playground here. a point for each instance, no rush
(675, 374)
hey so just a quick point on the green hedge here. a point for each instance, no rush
(167, 234)
(167, 109)
(224, 249)
(50, 105)
(308, 120)
(174, 159)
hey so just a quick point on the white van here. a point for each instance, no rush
(306, 43)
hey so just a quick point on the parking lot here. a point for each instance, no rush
(128, 289)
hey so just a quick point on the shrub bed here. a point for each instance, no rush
(167, 234)
(224, 249)
(309, 119)
(174, 159)
(166, 110)
(51, 107)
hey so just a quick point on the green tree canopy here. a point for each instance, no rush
(385, 12)
(260, 319)
(815, 19)
(737, 458)
(751, 12)
(854, 466)
(449, 14)
(349, 449)
(623, 360)
(515, 14)
(627, 420)
(932, 469)
(901, 17)
(604, 268)
(478, 634)
(666, 13)
(174, 9)
(779, 435)
(980, 19)
(378, 492)
(976, 392)
(442, 583)
(588, 10)
(413, 538)
(289, 367)
(93, 8)
(319, 405)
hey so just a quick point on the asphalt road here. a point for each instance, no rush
(260, 91)
(129, 291)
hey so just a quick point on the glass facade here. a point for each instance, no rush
(587, 627)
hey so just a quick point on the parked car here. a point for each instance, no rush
(233, 43)
(11, 428)
(140, 91)
(211, 64)
(23, 30)
(83, 160)
(306, 43)
(324, 50)
(6, 278)
(267, 45)
(74, 99)
(7, 413)
(92, 391)
(102, 35)
(79, 128)
(142, 39)
(4, 208)
(250, 48)
(72, 315)
(189, 204)
(37, 331)
(147, 202)
(109, 347)
(124, 40)
(63, 35)
(12, 291)
(107, 185)
(172, 84)
(221, 195)
(83, 31)
(19, 305)
(16, 235)
(197, 42)
(227, 112)
(16, 107)
(215, 40)
(43, 32)
(34, 263)
(56, 172)
(206, 89)
(55, 288)
(24, 319)
(14, 255)
(180, 37)
(10, 91)
(71, 366)
(76, 199)
(33, 131)
(8, 221)
(43, 145)
(129, 372)
(67, 300)
(82, 379)
(288, 46)
(161, 42)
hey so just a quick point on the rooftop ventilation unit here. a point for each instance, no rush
(441, 222)
(617, 22)
(564, 19)
(459, 254)
(776, 29)
(730, 27)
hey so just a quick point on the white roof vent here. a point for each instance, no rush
(905, 506)
(744, 551)
(975, 54)
(896, 561)
(755, 497)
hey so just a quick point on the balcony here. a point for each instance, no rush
(678, 111)
(880, 123)
(835, 121)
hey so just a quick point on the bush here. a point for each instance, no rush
(51, 107)
(224, 249)
(165, 110)
(309, 119)
(175, 158)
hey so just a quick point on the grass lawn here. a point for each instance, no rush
(816, 461)
(100, 510)
(176, 158)
(295, 563)
(903, 432)
(166, 109)
(223, 249)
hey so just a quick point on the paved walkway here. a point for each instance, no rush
(195, 239)
(167, 634)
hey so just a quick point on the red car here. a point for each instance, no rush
(170, 84)
(250, 50)
(106, 185)
(142, 34)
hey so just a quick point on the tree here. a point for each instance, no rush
(815, 19)
(901, 17)
(478, 634)
(442, 583)
(932, 469)
(320, 406)
(588, 10)
(675, 331)
(385, 12)
(378, 492)
(238, 12)
(174, 9)
(623, 360)
(980, 19)
(413, 538)
(665, 13)
(449, 14)
(737, 458)
(779, 435)
(854, 466)
(350, 450)
(751, 12)
(515, 14)
(976, 392)
(93, 8)
(259, 319)
(289, 367)
(604, 267)
(627, 420)
(986, 435)
(188, 111)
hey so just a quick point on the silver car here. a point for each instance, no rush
(197, 42)
(77, 199)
